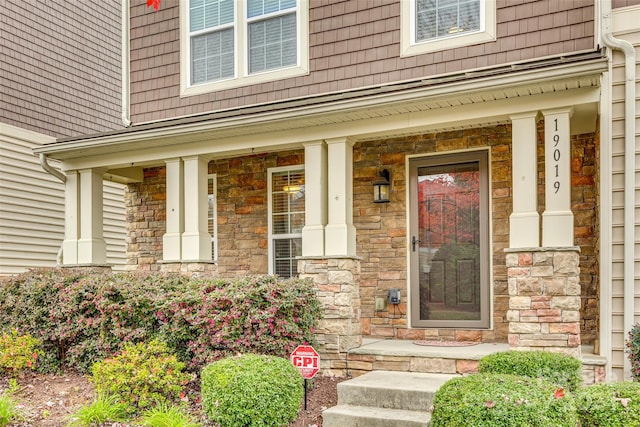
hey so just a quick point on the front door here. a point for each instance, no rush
(449, 247)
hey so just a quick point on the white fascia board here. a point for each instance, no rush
(122, 149)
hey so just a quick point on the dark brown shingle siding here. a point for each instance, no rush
(353, 43)
(60, 66)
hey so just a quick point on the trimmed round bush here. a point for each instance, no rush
(558, 368)
(141, 376)
(609, 405)
(501, 400)
(251, 390)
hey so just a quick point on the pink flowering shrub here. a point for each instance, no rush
(83, 318)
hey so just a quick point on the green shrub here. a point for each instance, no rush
(558, 368)
(140, 376)
(18, 352)
(609, 405)
(633, 351)
(251, 390)
(501, 400)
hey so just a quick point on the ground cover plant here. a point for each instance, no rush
(502, 400)
(80, 318)
(609, 405)
(251, 390)
(561, 369)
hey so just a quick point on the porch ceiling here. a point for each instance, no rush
(447, 103)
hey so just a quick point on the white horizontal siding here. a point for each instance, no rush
(32, 208)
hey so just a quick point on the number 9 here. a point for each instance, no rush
(556, 185)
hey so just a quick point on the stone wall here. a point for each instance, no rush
(382, 228)
(544, 303)
(145, 204)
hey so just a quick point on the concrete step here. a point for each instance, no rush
(385, 399)
(411, 391)
(367, 416)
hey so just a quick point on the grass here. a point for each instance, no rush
(8, 410)
(167, 416)
(101, 410)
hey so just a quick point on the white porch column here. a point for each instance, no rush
(71, 218)
(196, 241)
(340, 234)
(524, 222)
(315, 201)
(557, 219)
(92, 249)
(172, 239)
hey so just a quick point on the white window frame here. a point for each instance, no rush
(271, 236)
(241, 36)
(409, 46)
(214, 237)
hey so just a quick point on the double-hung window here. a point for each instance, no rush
(431, 25)
(231, 43)
(286, 219)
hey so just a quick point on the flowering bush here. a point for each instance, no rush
(248, 315)
(501, 400)
(82, 318)
(18, 352)
(141, 375)
(251, 390)
(633, 351)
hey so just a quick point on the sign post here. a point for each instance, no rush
(307, 360)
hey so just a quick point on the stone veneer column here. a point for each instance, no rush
(544, 299)
(339, 331)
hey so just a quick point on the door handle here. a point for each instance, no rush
(414, 241)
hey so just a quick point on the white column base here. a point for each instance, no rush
(196, 246)
(340, 240)
(171, 246)
(557, 228)
(524, 230)
(313, 240)
(70, 252)
(92, 251)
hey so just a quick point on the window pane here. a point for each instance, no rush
(272, 43)
(441, 18)
(209, 13)
(262, 7)
(212, 56)
(285, 251)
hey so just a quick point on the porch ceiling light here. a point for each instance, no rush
(381, 187)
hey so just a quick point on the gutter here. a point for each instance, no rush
(629, 171)
(56, 173)
(125, 68)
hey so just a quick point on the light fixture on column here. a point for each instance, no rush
(381, 187)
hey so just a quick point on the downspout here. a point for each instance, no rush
(55, 172)
(629, 170)
(125, 68)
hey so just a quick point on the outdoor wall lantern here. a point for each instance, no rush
(381, 188)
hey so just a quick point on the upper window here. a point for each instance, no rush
(230, 43)
(432, 25)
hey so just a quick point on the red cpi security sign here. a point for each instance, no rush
(307, 360)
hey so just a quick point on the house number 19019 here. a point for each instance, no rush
(556, 157)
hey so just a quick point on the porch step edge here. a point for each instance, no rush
(367, 416)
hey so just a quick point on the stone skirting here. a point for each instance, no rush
(340, 330)
(191, 269)
(544, 299)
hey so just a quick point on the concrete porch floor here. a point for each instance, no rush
(403, 355)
